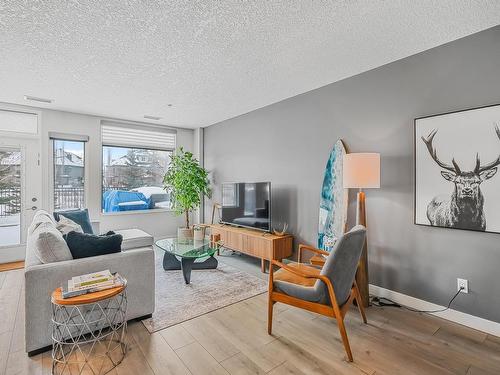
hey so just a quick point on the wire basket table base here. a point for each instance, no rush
(89, 338)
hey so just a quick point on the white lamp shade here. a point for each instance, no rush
(361, 170)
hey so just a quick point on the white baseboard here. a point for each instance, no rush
(459, 317)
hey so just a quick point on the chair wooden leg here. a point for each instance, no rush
(270, 316)
(345, 340)
(359, 303)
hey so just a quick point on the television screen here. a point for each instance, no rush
(247, 205)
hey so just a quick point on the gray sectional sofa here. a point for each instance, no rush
(135, 262)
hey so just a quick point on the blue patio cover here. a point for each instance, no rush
(112, 198)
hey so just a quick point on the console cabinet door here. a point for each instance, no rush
(234, 240)
(259, 247)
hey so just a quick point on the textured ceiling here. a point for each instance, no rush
(212, 60)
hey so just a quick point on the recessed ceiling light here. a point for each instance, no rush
(152, 117)
(36, 99)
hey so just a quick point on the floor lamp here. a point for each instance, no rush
(362, 171)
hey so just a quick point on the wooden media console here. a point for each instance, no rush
(263, 245)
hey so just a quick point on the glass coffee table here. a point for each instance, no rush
(188, 251)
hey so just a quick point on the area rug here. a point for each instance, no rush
(209, 290)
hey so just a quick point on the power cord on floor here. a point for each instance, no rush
(379, 302)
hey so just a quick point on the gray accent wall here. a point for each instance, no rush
(288, 143)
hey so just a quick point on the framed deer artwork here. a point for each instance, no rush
(457, 182)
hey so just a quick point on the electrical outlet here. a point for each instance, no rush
(463, 283)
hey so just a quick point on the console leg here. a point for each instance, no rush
(263, 265)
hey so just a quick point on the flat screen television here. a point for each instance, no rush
(247, 205)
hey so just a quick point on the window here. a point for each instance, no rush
(134, 162)
(69, 174)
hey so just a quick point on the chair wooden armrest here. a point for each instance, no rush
(301, 270)
(312, 249)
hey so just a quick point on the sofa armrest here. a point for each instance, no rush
(137, 266)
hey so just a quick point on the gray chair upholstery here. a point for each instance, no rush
(340, 267)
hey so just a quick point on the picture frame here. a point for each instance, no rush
(456, 169)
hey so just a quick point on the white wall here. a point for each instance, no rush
(158, 223)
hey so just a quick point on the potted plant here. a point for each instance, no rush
(187, 181)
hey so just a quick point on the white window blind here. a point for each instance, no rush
(19, 122)
(124, 135)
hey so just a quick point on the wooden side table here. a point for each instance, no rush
(89, 331)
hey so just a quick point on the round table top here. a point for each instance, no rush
(86, 298)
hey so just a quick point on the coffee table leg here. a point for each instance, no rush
(170, 262)
(187, 266)
(209, 263)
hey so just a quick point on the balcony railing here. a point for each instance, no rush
(12, 206)
(69, 197)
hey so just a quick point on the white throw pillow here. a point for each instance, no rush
(48, 244)
(65, 225)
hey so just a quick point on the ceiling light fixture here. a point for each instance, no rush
(152, 117)
(170, 104)
(36, 99)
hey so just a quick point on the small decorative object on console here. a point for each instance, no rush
(281, 232)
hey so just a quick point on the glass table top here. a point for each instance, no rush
(188, 248)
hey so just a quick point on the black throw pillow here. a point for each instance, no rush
(84, 245)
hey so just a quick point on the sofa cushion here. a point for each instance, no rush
(134, 238)
(84, 245)
(81, 217)
(66, 225)
(48, 244)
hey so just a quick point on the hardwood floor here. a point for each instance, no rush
(234, 340)
(11, 266)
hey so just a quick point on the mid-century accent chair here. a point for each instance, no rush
(327, 291)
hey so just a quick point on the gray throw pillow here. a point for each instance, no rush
(48, 244)
(65, 225)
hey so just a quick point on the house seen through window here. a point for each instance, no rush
(69, 174)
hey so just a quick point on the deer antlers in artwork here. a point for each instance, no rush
(433, 152)
(454, 166)
(481, 168)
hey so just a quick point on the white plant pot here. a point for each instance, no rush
(184, 234)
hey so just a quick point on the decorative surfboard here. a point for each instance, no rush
(333, 200)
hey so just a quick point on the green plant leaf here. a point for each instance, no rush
(187, 182)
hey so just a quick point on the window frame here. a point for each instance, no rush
(131, 212)
(52, 173)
